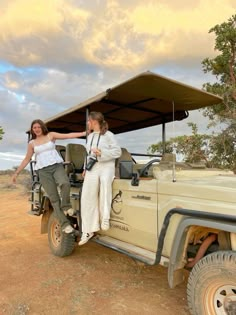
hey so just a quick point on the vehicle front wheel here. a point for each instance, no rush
(61, 244)
(211, 288)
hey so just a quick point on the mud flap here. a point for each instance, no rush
(175, 277)
(44, 221)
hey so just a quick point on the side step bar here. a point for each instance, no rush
(132, 251)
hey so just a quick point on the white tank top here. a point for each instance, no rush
(46, 154)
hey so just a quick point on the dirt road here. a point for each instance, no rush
(93, 280)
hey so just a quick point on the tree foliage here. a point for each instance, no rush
(218, 149)
(223, 66)
(1, 133)
(192, 149)
(222, 148)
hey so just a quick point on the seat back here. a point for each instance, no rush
(61, 149)
(125, 156)
(76, 154)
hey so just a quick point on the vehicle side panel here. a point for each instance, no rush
(134, 213)
(189, 196)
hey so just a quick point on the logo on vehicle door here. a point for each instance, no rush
(116, 204)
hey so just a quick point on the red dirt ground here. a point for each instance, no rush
(93, 280)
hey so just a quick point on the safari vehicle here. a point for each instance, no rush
(180, 215)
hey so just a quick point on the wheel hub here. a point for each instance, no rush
(56, 234)
(225, 300)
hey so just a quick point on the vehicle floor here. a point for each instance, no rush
(93, 280)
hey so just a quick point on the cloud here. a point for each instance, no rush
(9, 160)
(55, 54)
(38, 32)
(110, 34)
(53, 87)
(41, 93)
(8, 156)
(179, 29)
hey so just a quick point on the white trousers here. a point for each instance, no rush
(97, 196)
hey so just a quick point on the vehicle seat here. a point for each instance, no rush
(74, 161)
(61, 149)
(125, 156)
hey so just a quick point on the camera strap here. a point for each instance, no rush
(91, 143)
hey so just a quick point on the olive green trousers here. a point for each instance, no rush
(57, 186)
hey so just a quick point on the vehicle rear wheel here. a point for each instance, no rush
(61, 244)
(211, 285)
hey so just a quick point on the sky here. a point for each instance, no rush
(55, 54)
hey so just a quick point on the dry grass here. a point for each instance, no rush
(23, 182)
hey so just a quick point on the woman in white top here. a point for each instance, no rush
(96, 198)
(49, 166)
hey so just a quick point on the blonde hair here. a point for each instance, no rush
(98, 116)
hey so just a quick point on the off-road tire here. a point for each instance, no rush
(211, 288)
(60, 243)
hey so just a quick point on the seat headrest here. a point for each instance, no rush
(76, 153)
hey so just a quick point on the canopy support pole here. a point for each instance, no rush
(173, 147)
(163, 138)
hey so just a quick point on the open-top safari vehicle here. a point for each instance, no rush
(180, 215)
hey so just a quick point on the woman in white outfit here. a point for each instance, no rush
(49, 166)
(96, 198)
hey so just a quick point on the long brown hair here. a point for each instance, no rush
(98, 116)
(42, 125)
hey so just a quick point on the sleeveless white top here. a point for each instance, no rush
(46, 154)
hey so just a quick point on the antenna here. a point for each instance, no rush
(173, 146)
(86, 122)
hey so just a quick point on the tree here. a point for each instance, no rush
(192, 149)
(222, 148)
(223, 66)
(219, 149)
(1, 133)
(216, 151)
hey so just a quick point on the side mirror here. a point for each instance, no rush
(135, 179)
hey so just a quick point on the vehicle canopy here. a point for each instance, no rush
(145, 100)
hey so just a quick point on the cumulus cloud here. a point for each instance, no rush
(58, 53)
(108, 33)
(50, 86)
(179, 29)
(41, 93)
(39, 32)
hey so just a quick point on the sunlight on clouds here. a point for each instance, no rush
(22, 17)
(56, 53)
(155, 32)
(32, 30)
(179, 31)
(161, 18)
(11, 84)
(11, 80)
(113, 35)
(112, 41)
